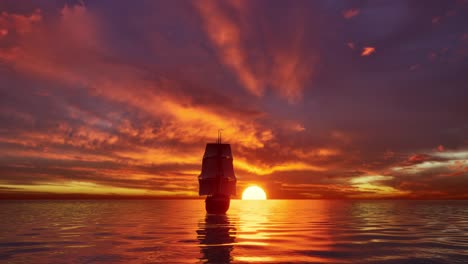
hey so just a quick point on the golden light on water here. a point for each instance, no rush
(254, 193)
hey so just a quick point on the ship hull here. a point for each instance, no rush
(217, 204)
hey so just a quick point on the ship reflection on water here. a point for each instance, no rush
(217, 236)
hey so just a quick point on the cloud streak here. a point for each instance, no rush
(286, 68)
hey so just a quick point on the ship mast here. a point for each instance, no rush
(220, 173)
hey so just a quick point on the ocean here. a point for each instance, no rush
(272, 231)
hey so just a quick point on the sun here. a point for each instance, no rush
(254, 193)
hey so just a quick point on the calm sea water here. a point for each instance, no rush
(274, 231)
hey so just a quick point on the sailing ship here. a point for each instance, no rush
(217, 179)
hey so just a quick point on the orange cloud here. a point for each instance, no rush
(290, 73)
(298, 127)
(110, 138)
(77, 187)
(366, 51)
(83, 25)
(350, 13)
(46, 50)
(316, 153)
(109, 123)
(181, 120)
(259, 169)
(286, 69)
(145, 156)
(226, 35)
(20, 24)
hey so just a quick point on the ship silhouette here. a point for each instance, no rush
(217, 179)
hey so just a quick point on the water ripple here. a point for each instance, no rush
(262, 231)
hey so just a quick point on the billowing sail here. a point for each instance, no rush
(217, 175)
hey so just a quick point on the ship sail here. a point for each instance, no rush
(217, 175)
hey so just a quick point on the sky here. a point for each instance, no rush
(319, 99)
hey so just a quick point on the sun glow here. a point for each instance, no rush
(254, 193)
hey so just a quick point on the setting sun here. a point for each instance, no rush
(254, 193)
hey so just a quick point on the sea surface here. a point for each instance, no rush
(273, 231)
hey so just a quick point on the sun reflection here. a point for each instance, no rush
(282, 227)
(253, 217)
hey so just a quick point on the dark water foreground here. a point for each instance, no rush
(252, 232)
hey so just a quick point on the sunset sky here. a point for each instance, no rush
(319, 99)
